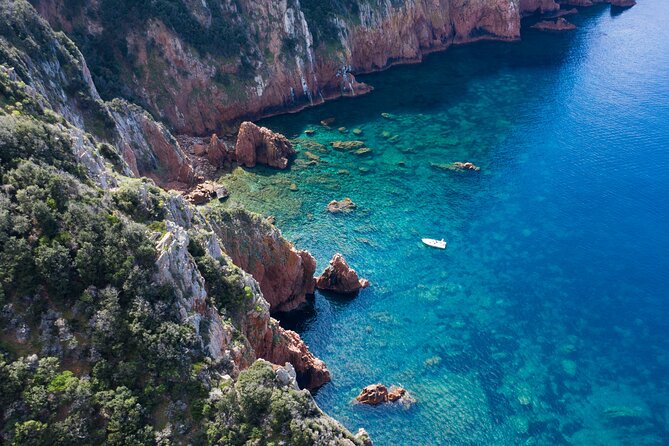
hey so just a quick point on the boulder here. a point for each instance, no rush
(340, 277)
(207, 191)
(260, 145)
(465, 166)
(376, 394)
(343, 206)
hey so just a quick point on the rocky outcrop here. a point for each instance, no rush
(56, 75)
(340, 278)
(260, 145)
(149, 148)
(342, 206)
(280, 346)
(376, 394)
(264, 337)
(207, 191)
(559, 25)
(285, 274)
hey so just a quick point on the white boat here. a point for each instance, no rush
(441, 244)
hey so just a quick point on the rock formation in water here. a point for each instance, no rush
(559, 25)
(280, 346)
(623, 3)
(260, 145)
(338, 277)
(376, 394)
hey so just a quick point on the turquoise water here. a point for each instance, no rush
(545, 320)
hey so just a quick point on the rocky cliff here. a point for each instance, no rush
(202, 67)
(270, 56)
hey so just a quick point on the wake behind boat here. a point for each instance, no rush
(441, 244)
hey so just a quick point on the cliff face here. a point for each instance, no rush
(285, 274)
(283, 54)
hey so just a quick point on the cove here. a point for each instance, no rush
(545, 320)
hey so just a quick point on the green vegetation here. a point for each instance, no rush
(320, 16)
(224, 37)
(98, 344)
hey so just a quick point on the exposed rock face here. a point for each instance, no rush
(280, 346)
(293, 58)
(265, 338)
(149, 148)
(559, 25)
(541, 6)
(285, 274)
(260, 145)
(340, 278)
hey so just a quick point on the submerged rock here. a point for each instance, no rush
(456, 166)
(340, 277)
(560, 24)
(347, 145)
(343, 206)
(310, 132)
(357, 132)
(260, 145)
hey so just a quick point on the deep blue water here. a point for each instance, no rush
(545, 320)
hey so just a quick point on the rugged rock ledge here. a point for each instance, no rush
(285, 274)
(260, 145)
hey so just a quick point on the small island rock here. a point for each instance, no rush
(340, 277)
(376, 394)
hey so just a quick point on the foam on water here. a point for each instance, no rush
(544, 322)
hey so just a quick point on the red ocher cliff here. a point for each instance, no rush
(282, 55)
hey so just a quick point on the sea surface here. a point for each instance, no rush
(546, 320)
